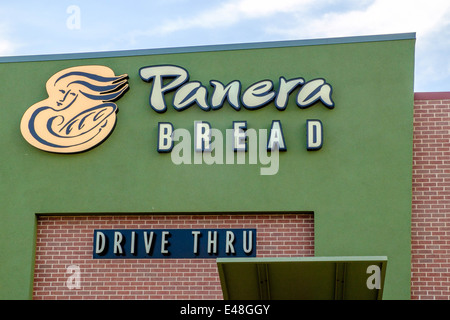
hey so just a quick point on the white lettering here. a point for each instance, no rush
(258, 95)
(117, 242)
(197, 310)
(314, 91)
(148, 241)
(246, 309)
(314, 134)
(164, 242)
(239, 128)
(286, 87)
(248, 241)
(202, 136)
(158, 74)
(190, 93)
(195, 234)
(165, 139)
(212, 242)
(276, 138)
(231, 92)
(167, 78)
(133, 242)
(100, 242)
(229, 247)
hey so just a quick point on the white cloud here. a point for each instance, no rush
(7, 47)
(380, 17)
(264, 8)
(227, 14)
(315, 18)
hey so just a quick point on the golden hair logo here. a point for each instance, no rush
(79, 112)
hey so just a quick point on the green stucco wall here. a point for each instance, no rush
(358, 185)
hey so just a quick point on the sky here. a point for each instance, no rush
(52, 27)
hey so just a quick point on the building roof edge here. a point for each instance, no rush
(206, 48)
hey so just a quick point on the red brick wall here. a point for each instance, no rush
(68, 241)
(430, 273)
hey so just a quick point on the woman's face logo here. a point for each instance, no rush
(79, 112)
(64, 99)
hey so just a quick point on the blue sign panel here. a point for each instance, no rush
(173, 243)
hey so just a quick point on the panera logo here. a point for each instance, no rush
(79, 112)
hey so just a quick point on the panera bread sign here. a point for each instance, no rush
(80, 111)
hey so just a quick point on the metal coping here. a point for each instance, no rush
(207, 48)
(445, 95)
(304, 259)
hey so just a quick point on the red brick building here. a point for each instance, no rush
(430, 229)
